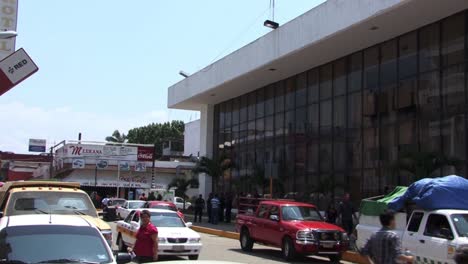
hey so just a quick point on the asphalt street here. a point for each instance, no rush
(220, 248)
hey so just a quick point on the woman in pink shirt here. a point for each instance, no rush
(146, 245)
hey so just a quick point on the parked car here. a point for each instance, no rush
(296, 228)
(164, 205)
(174, 235)
(127, 207)
(39, 197)
(50, 238)
(179, 202)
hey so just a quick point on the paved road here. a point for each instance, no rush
(219, 248)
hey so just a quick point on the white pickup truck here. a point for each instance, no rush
(431, 236)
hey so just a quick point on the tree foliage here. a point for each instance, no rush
(117, 137)
(158, 134)
(181, 186)
(213, 167)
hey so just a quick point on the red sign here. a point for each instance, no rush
(145, 153)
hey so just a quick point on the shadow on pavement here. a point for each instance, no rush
(275, 254)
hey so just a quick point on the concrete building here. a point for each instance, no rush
(192, 138)
(16, 167)
(331, 100)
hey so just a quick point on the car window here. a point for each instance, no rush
(129, 217)
(438, 225)
(125, 205)
(461, 224)
(179, 200)
(300, 213)
(165, 219)
(262, 211)
(136, 217)
(135, 205)
(415, 222)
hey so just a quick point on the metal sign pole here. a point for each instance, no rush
(118, 179)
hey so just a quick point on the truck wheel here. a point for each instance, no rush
(121, 244)
(193, 257)
(245, 240)
(335, 258)
(288, 250)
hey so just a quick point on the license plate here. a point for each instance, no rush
(327, 245)
(178, 248)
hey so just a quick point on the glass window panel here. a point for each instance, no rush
(251, 132)
(325, 117)
(389, 147)
(407, 135)
(251, 105)
(355, 72)
(453, 39)
(339, 180)
(371, 68)
(300, 121)
(228, 114)
(313, 120)
(300, 159)
(279, 124)
(453, 90)
(429, 38)
(407, 62)
(269, 128)
(260, 157)
(243, 132)
(260, 109)
(289, 122)
(235, 135)
(243, 108)
(388, 66)
(339, 154)
(279, 99)
(339, 116)
(405, 97)
(289, 162)
(301, 94)
(221, 115)
(326, 81)
(312, 86)
(429, 111)
(270, 100)
(354, 110)
(325, 155)
(371, 150)
(260, 130)
(339, 76)
(312, 157)
(235, 111)
(290, 92)
(354, 149)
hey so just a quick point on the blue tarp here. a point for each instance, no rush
(449, 192)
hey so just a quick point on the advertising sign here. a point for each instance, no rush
(8, 21)
(14, 69)
(78, 164)
(145, 153)
(37, 145)
(124, 165)
(140, 167)
(102, 164)
(100, 151)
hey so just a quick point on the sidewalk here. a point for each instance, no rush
(228, 227)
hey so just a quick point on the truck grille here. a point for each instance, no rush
(328, 236)
(178, 240)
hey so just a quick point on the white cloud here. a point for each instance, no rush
(20, 122)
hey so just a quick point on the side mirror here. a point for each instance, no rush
(446, 233)
(122, 258)
(274, 218)
(189, 224)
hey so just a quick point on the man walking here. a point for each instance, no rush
(384, 246)
(347, 212)
(215, 209)
(199, 206)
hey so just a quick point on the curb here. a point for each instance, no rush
(347, 256)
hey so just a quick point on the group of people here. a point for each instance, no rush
(218, 208)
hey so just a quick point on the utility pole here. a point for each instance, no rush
(152, 167)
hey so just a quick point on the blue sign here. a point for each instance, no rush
(37, 148)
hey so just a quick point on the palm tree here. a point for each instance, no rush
(213, 167)
(117, 137)
(423, 164)
(181, 186)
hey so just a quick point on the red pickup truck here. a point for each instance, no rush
(296, 228)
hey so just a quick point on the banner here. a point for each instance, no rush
(100, 151)
(145, 153)
(102, 164)
(78, 164)
(140, 167)
(124, 165)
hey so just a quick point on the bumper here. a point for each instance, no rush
(320, 248)
(169, 249)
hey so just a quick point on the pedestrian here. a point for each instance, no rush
(143, 197)
(208, 207)
(331, 214)
(227, 217)
(105, 200)
(461, 255)
(215, 209)
(151, 196)
(384, 247)
(222, 206)
(146, 244)
(347, 212)
(159, 198)
(199, 206)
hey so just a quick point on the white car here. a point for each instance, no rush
(179, 202)
(174, 235)
(52, 238)
(123, 211)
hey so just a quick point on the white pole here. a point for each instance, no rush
(118, 178)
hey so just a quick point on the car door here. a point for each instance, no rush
(411, 235)
(435, 239)
(273, 230)
(123, 227)
(258, 223)
(134, 225)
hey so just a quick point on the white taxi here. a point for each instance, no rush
(175, 237)
(51, 238)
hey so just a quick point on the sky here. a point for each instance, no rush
(107, 65)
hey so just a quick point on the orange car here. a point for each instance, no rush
(164, 205)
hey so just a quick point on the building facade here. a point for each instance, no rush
(335, 111)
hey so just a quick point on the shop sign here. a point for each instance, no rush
(102, 164)
(124, 165)
(78, 163)
(145, 153)
(140, 167)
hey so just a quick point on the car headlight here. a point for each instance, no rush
(305, 235)
(194, 240)
(344, 237)
(162, 240)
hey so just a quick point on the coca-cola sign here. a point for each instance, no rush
(145, 154)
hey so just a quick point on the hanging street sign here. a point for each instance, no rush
(14, 69)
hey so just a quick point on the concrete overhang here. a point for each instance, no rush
(332, 30)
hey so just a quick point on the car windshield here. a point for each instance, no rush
(166, 219)
(54, 243)
(300, 213)
(119, 202)
(21, 203)
(163, 206)
(136, 205)
(461, 224)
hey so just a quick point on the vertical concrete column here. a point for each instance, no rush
(206, 145)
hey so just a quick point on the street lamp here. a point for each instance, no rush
(7, 34)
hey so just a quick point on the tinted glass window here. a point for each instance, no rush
(453, 40)
(429, 38)
(163, 219)
(437, 225)
(461, 224)
(407, 63)
(312, 86)
(371, 68)
(262, 211)
(326, 81)
(300, 213)
(415, 222)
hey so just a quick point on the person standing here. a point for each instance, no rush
(331, 214)
(215, 209)
(146, 244)
(208, 207)
(222, 205)
(347, 212)
(199, 206)
(143, 197)
(384, 247)
(228, 207)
